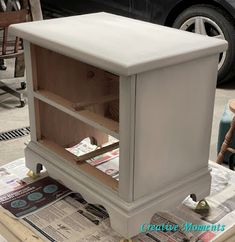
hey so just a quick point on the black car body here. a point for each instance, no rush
(159, 11)
(218, 18)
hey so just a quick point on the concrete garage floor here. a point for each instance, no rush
(12, 117)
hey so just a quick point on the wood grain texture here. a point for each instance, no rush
(227, 140)
(70, 78)
(97, 121)
(17, 231)
(102, 121)
(56, 98)
(72, 81)
(97, 152)
(8, 18)
(64, 129)
(232, 106)
(228, 137)
(10, 50)
(95, 101)
(84, 166)
(35, 10)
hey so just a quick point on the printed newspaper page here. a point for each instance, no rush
(107, 163)
(73, 219)
(204, 226)
(33, 196)
(13, 176)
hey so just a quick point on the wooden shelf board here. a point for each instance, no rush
(97, 121)
(97, 152)
(84, 166)
(15, 230)
(100, 120)
(95, 101)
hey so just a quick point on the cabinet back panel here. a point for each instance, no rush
(64, 129)
(71, 79)
(74, 81)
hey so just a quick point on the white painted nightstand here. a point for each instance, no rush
(77, 70)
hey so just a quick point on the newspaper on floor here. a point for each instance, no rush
(22, 195)
(13, 176)
(107, 163)
(194, 226)
(73, 219)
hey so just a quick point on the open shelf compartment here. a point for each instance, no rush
(89, 93)
(59, 132)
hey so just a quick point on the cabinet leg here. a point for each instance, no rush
(33, 175)
(34, 169)
(194, 197)
(203, 208)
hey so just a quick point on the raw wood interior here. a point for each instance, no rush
(57, 130)
(73, 101)
(62, 128)
(105, 124)
(85, 86)
(97, 152)
(84, 166)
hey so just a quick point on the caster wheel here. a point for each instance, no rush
(193, 196)
(202, 208)
(22, 103)
(23, 85)
(33, 175)
(3, 68)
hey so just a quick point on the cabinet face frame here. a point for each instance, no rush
(126, 128)
(31, 76)
(127, 137)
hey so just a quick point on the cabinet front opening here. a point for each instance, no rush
(75, 84)
(91, 150)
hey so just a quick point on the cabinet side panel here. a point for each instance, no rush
(174, 110)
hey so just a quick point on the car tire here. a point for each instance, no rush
(216, 23)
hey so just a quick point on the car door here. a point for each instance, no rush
(73, 7)
(121, 7)
(140, 9)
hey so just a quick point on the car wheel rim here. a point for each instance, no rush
(3, 5)
(205, 26)
(6, 5)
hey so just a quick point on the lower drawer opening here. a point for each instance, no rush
(93, 151)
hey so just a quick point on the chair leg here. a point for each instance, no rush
(13, 92)
(226, 143)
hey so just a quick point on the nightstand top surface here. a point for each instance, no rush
(118, 44)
